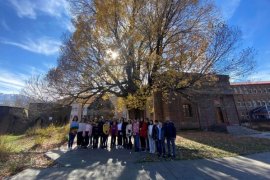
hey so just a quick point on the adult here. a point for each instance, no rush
(124, 126)
(81, 129)
(129, 134)
(136, 134)
(95, 134)
(160, 140)
(106, 131)
(170, 135)
(154, 133)
(114, 133)
(120, 134)
(88, 128)
(100, 131)
(74, 125)
(150, 137)
(143, 134)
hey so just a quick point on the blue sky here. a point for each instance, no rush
(31, 31)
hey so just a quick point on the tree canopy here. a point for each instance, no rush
(131, 48)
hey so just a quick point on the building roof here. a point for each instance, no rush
(251, 83)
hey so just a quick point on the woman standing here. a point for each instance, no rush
(136, 134)
(120, 134)
(143, 134)
(129, 134)
(150, 137)
(113, 133)
(95, 134)
(81, 129)
(73, 131)
(106, 131)
(87, 133)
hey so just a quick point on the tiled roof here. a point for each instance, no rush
(251, 83)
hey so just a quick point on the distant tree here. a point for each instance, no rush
(37, 90)
(132, 48)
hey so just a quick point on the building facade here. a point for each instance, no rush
(251, 96)
(206, 106)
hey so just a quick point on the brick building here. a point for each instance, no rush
(250, 96)
(207, 106)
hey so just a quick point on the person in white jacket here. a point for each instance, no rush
(129, 134)
(150, 137)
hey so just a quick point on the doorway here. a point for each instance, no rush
(220, 116)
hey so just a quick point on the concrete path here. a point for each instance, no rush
(122, 164)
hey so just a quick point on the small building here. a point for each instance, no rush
(202, 107)
(250, 97)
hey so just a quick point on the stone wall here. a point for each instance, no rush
(13, 120)
(43, 114)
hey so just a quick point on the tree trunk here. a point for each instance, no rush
(136, 114)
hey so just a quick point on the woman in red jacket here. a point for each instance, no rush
(143, 134)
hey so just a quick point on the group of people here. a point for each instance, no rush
(142, 135)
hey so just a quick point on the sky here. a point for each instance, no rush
(31, 32)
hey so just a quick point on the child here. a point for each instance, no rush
(129, 134)
(73, 131)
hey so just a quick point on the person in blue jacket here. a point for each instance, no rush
(74, 125)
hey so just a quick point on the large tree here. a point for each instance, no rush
(131, 48)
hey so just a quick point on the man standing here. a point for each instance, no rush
(170, 135)
(160, 140)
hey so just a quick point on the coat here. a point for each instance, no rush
(143, 129)
(114, 130)
(170, 130)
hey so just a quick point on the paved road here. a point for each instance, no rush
(121, 164)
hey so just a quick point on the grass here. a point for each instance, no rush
(201, 145)
(24, 151)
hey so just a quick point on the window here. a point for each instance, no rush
(238, 103)
(258, 103)
(263, 103)
(255, 91)
(250, 91)
(187, 110)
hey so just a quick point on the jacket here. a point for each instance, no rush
(114, 130)
(143, 129)
(106, 128)
(129, 130)
(170, 130)
(135, 128)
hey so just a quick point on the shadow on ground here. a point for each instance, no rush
(124, 164)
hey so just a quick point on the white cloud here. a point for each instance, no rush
(31, 8)
(11, 82)
(46, 46)
(228, 7)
